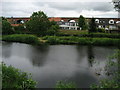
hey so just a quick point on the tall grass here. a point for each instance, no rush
(85, 34)
(82, 40)
(22, 38)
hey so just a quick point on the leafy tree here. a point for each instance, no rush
(116, 4)
(6, 27)
(38, 23)
(92, 26)
(82, 23)
(53, 28)
(20, 29)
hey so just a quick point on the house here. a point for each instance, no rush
(71, 23)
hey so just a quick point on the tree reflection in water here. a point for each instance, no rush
(90, 55)
(38, 57)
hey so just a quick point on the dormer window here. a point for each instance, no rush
(111, 22)
(73, 21)
(97, 20)
(62, 20)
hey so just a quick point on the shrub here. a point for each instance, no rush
(23, 38)
(14, 78)
(101, 30)
(20, 29)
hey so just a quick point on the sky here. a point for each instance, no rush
(58, 8)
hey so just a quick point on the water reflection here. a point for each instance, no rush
(49, 64)
(39, 56)
(90, 55)
(7, 49)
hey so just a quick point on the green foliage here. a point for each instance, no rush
(53, 28)
(6, 27)
(20, 29)
(71, 32)
(82, 23)
(23, 38)
(82, 41)
(92, 26)
(14, 78)
(101, 30)
(85, 34)
(62, 84)
(38, 24)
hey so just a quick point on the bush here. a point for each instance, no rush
(101, 30)
(14, 78)
(23, 38)
(19, 29)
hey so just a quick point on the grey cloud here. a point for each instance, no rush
(95, 6)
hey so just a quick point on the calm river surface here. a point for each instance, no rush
(49, 64)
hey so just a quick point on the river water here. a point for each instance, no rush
(48, 64)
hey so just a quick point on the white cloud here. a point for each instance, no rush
(57, 0)
(58, 8)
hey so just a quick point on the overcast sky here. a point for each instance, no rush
(59, 8)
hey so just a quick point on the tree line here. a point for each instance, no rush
(40, 25)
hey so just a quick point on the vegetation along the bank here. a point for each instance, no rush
(82, 41)
(15, 79)
(22, 38)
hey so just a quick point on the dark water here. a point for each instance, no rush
(49, 64)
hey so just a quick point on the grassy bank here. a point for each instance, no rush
(86, 34)
(82, 41)
(22, 38)
(31, 39)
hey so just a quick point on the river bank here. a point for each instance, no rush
(66, 40)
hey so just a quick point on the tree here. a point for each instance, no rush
(82, 23)
(53, 28)
(92, 26)
(20, 29)
(39, 23)
(6, 27)
(116, 5)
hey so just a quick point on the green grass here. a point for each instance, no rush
(85, 33)
(72, 32)
(22, 38)
(15, 78)
(82, 40)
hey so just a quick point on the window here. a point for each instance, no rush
(111, 22)
(97, 20)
